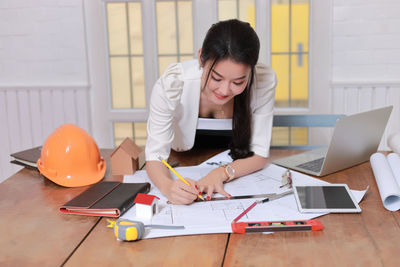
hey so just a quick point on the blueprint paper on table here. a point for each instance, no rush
(208, 217)
(222, 158)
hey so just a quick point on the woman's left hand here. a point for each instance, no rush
(213, 182)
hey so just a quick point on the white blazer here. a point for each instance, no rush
(174, 110)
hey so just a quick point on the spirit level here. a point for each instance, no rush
(276, 226)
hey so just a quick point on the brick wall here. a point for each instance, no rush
(42, 42)
(366, 40)
(43, 73)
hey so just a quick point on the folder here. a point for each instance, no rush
(109, 199)
(27, 158)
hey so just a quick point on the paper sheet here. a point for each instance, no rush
(216, 216)
(387, 175)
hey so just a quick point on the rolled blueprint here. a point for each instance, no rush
(386, 169)
(394, 142)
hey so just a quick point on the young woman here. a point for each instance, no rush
(225, 82)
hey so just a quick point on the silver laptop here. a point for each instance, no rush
(355, 138)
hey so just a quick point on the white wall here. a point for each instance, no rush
(42, 42)
(366, 58)
(44, 80)
(366, 40)
(43, 73)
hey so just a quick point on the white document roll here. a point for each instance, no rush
(385, 179)
(394, 163)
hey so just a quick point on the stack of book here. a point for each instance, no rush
(27, 158)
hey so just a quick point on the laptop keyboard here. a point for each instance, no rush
(314, 165)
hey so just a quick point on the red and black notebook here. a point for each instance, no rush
(109, 199)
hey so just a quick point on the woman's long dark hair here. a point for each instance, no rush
(235, 40)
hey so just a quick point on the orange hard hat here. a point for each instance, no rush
(70, 157)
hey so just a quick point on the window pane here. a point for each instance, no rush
(117, 28)
(227, 9)
(174, 32)
(185, 27)
(137, 131)
(289, 39)
(122, 130)
(280, 136)
(183, 58)
(280, 26)
(135, 28)
(247, 12)
(299, 80)
(289, 58)
(280, 63)
(120, 83)
(163, 63)
(126, 55)
(166, 27)
(298, 136)
(140, 133)
(237, 9)
(138, 88)
(285, 136)
(300, 22)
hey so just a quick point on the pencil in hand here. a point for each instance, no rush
(178, 175)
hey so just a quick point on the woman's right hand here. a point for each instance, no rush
(178, 192)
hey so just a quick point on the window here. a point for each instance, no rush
(126, 62)
(289, 51)
(289, 59)
(126, 58)
(239, 9)
(136, 130)
(133, 24)
(174, 32)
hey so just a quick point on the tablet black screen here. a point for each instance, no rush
(324, 197)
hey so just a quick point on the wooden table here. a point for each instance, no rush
(34, 233)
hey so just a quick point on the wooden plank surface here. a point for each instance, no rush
(102, 249)
(371, 238)
(172, 251)
(32, 230)
(197, 250)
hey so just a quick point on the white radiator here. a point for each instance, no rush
(354, 97)
(29, 114)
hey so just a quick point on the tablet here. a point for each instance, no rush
(325, 198)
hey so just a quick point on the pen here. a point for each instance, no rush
(249, 208)
(244, 212)
(177, 174)
(269, 198)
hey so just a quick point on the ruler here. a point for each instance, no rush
(267, 197)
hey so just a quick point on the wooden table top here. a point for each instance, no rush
(34, 232)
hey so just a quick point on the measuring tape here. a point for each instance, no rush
(276, 226)
(127, 230)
